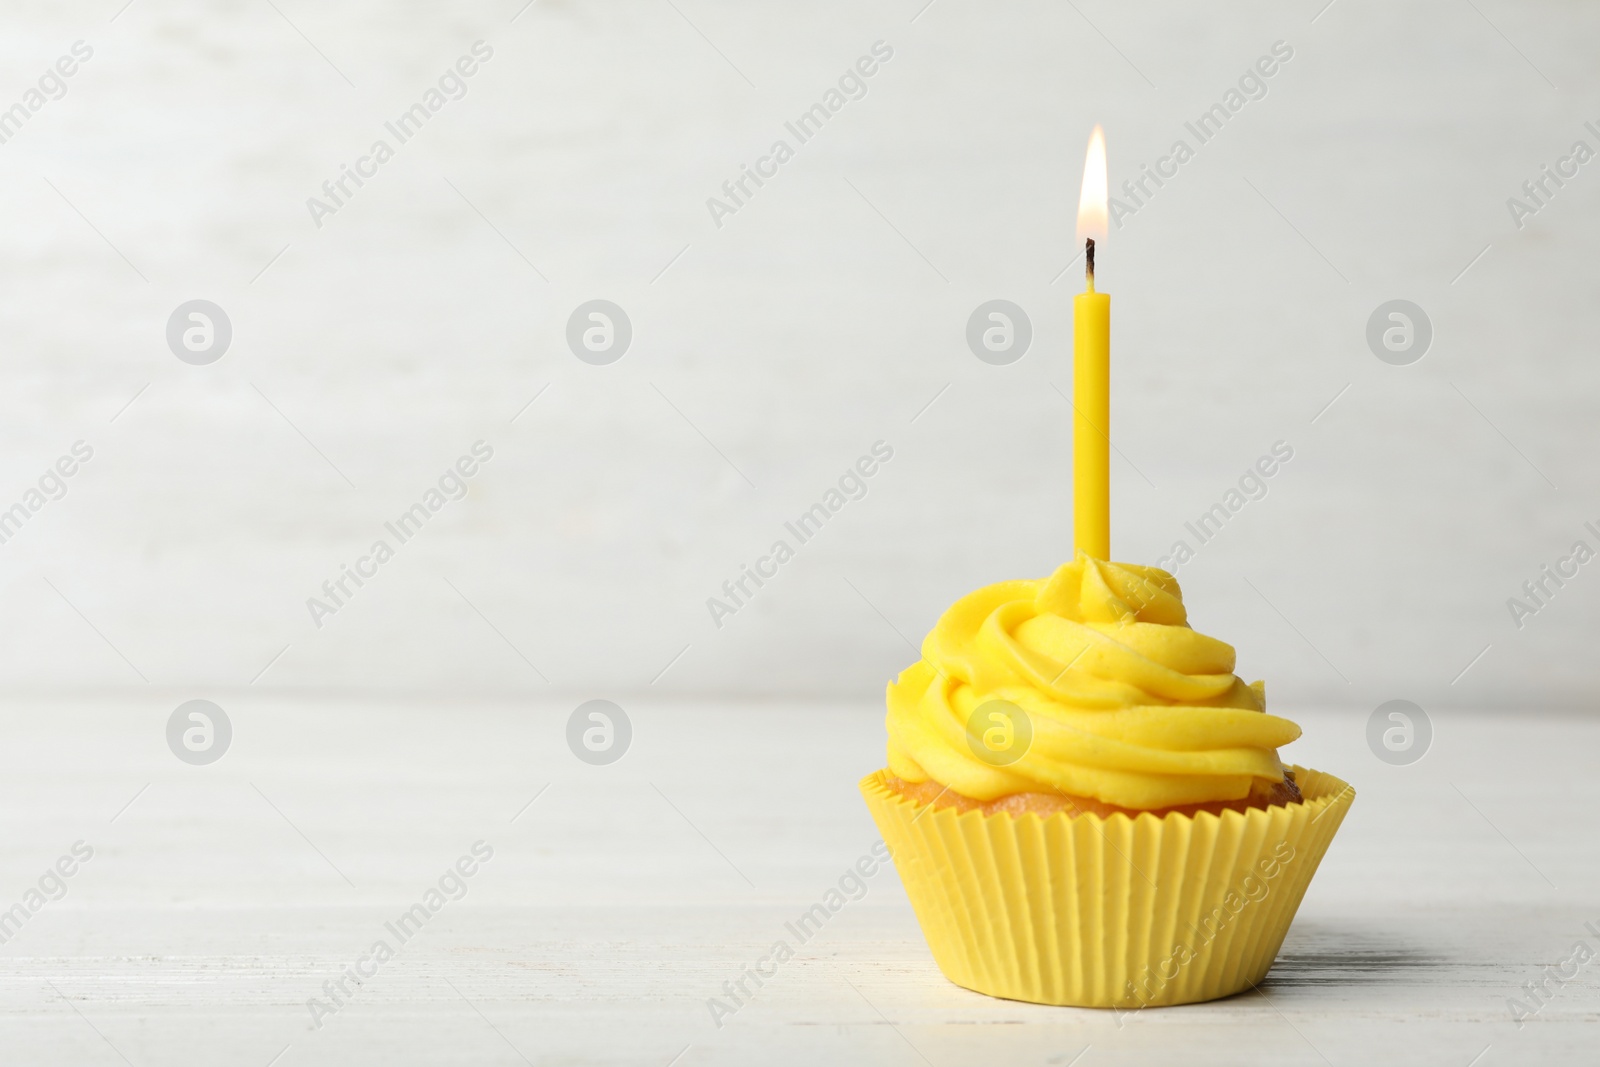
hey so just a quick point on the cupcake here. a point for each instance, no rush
(1084, 802)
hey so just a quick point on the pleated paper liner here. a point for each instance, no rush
(1108, 912)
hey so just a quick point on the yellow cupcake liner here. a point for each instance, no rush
(1112, 912)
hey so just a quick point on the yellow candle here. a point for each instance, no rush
(1091, 373)
(1091, 423)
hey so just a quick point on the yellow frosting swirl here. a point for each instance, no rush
(1124, 701)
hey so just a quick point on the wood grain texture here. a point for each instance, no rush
(617, 903)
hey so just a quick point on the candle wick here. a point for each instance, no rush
(1088, 251)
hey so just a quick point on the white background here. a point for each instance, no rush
(824, 316)
(768, 354)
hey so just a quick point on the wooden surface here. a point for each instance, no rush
(222, 897)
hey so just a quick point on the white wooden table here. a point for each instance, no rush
(221, 898)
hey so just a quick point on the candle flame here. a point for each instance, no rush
(1092, 202)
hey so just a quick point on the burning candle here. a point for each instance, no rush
(1091, 372)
